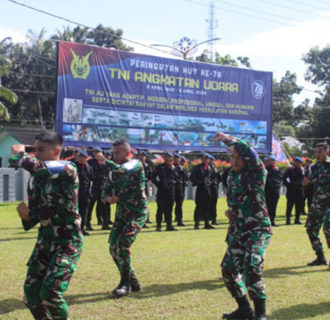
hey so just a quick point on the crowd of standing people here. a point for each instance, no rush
(62, 195)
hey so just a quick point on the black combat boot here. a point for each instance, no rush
(135, 282)
(260, 309)
(244, 311)
(124, 288)
(320, 260)
(170, 228)
(208, 226)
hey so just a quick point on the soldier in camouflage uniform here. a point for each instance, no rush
(127, 189)
(53, 195)
(319, 212)
(249, 230)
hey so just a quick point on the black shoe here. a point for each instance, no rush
(159, 228)
(197, 226)
(171, 228)
(215, 223)
(124, 288)
(260, 309)
(89, 228)
(145, 227)
(149, 221)
(297, 222)
(85, 233)
(110, 222)
(180, 224)
(106, 228)
(275, 225)
(288, 223)
(319, 261)
(208, 226)
(135, 282)
(240, 314)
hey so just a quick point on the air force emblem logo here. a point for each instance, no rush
(258, 89)
(80, 67)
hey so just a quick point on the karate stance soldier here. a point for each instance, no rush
(127, 189)
(53, 196)
(319, 212)
(249, 230)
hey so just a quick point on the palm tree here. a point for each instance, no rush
(5, 93)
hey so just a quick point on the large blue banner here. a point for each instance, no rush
(104, 95)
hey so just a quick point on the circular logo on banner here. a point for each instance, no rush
(258, 89)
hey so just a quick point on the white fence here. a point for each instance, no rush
(13, 184)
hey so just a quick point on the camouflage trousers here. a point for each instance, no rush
(122, 236)
(243, 263)
(318, 215)
(47, 278)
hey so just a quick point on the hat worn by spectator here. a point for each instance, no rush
(142, 152)
(168, 153)
(206, 155)
(177, 155)
(272, 158)
(97, 149)
(212, 157)
(108, 152)
(82, 153)
(299, 159)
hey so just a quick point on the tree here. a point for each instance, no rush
(5, 93)
(283, 92)
(226, 60)
(318, 72)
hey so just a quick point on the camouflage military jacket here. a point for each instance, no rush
(246, 193)
(52, 199)
(320, 179)
(127, 182)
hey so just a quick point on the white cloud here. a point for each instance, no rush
(290, 42)
(16, 34)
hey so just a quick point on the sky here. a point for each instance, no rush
(273, 34)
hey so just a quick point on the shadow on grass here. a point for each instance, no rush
(291, 271)
(159, 290)
(155, 290)
(302, 311)
(15, 239)
(9, 305)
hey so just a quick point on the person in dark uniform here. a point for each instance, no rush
(224, 179)
(108, 156)
(85, 174)
(179, 189)
(163, 178)
(100, 175)
(215, 180)
(201, 177)
(308, 189)
(272, 188)
(147, 167)
(292, 179)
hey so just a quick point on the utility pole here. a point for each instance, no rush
(212, 25)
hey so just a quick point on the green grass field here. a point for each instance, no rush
(179, 272)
